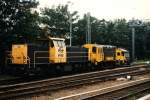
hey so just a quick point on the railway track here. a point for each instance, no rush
(23, 79)
(22, 89)
(10, 81)
(125, 92)
(122, 91)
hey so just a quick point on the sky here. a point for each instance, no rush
(107, 9)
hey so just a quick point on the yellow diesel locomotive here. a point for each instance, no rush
(52, 53)
(107, 55)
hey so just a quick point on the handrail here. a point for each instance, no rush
(35, 53)
(42, 57)
(28, 60)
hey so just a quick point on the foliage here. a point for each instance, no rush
(16, 17)
(58, 17)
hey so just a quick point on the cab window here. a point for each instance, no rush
(94, 49)
(51, 44)
(55, 43)
(122, 53)
(59, 43)
(118, 54)
(62, 43)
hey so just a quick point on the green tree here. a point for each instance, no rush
(14, 13)
(79, 33)
(97, 30)
(58, 17)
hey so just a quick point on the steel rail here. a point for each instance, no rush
(123, 93)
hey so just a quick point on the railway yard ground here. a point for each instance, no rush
(68, 93)
(93, 86)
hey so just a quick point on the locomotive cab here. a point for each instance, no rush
(44, 51)
(95, 53)
(57, 50)
(122, 56)
(101, 54)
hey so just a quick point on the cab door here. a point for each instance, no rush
(19, 54)
(100, 54)
(97, 55)
(93, 54)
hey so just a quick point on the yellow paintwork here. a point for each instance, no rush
(57, 54)
(19, 54)
(96, 57)
(120, 57)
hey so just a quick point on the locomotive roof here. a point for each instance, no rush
(124, 50)
(101, 46)
(108, 46)
(62, 39)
